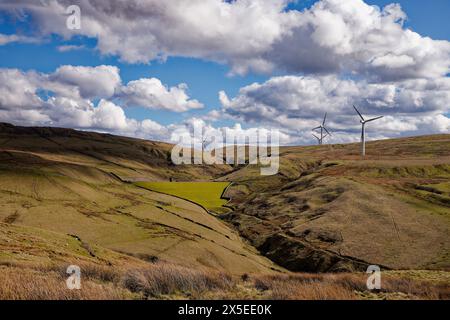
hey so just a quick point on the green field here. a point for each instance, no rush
(207, 194)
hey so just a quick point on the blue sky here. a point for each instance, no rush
(204, 77)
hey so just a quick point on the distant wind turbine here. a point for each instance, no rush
(204, 144)
(322, 129)
(363, 128)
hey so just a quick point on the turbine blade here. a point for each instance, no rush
(327, 131)
(317, 128)
(324, 118)
(362, 118)
(374, 119)
(316, 136)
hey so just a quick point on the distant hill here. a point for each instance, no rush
(128, 158)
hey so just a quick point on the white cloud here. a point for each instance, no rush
(351, 36)
(152, 94)
(67, 48)
(91, 82)
(298, 103)
(68, 112)
(11, 38)
(18, 89)
(293, 104)
(207, 132)
(80, 83)
(310, 96)
(107, 115)
(24, 117)
(393, 61)
(65, 98)
(332, 36)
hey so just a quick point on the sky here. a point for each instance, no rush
(154, 69)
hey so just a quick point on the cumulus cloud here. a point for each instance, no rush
(293, 104)
(66, 98)
(90, 82)
(81, 83)
(259, 35)
(351, 36)
(298, 103)
(18, 89)
(152, 94)
(107, 115)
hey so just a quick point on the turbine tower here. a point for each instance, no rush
(363, 128)
(322, 130)
(318, 139)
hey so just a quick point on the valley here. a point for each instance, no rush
(107, 202)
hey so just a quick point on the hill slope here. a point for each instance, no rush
(67, 181)
(329, 210)
(326, 209)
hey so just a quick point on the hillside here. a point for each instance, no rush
(67, 181)
(87, 198)
(329, 210)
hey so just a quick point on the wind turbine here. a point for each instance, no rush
(322, 129)
(204, 144)
(363, 128)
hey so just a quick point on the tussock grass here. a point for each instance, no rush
(166, 279)
(26, 284)
(106, 282)
(169, 281)
(347, 287)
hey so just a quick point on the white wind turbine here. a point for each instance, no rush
(322, 129)
(363, 128)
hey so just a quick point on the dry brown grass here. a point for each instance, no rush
(168, 281)
(26, 284)
(165, 279)
(99, 282)
(347, 287)
(304, 287)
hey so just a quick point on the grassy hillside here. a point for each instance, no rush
(94, 153)
(328, 209)
(67, 182)
(33, 265)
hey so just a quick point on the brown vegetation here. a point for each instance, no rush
(347, 286)
(328, 210)
(168, 281)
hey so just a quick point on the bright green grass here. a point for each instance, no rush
(206, 194)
